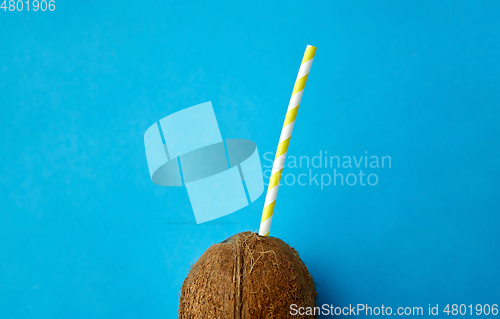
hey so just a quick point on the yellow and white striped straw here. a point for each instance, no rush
(286, 134)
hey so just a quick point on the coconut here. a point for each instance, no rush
(247, 276)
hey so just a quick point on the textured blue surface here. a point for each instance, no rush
(190, 129)
(195, 156)
(253, 182)
(205, 202)
(84, 233)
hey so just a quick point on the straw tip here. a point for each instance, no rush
(310, 46)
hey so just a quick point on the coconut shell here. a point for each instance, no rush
(247, 276)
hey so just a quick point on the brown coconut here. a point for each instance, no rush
(247, 276)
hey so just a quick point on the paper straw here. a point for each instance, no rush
(286, 134)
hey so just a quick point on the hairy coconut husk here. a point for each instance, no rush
(247, 276)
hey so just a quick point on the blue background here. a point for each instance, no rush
(84, 233)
